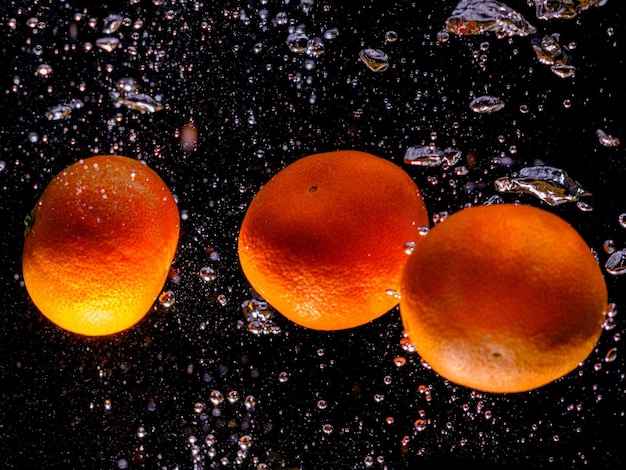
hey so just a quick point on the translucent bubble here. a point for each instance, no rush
(233, 397)
(216, 397)
(375, 59)
(245, 441)
(44, 70)
(331, 33)
(166, 299)
(391, 36)
(616, 263)
(420, 424)
(609, 246)
(611, 355)
(399, 361)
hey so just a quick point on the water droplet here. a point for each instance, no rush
(399, 361)
(331, 33)
(283, 377)
(44, 70)
(107, 44)
(607, 140)
(233, 397)
(391, 36)
(250, 403)
(477, 17)
(375, 59)
(486, 104)
(207, 274)
(111, 24)
(298, 42)
(409, 247)
(166, 299)
(216, 397)
(127, 84)
(327, 428)
(420, 424)
(609, 246)
(611, 355)
(616, 263)
(136, 101)
(315, 47)
(406, 345)
(551, 185)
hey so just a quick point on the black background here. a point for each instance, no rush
(75, 402)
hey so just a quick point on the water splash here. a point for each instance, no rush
(563, 9)
(482, 16)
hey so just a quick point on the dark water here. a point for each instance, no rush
(191, 386)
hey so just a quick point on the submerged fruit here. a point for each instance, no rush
(324, 240)
(503, 298)
(99, 245)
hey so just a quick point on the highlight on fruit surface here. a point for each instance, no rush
(99, 244)
(503, 298)
(324, 241)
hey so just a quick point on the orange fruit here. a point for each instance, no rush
(503, 298)
(323, 241)
(99, 244)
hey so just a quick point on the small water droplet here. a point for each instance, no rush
(207, 274)
(399, 361)
(391, 36)
(616, 263)
(107, 44)
(166, 299)
(44, 70)
(327, 428)
(486, 104)
(216, 397)
(611, 355)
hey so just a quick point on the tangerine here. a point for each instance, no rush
(503, 298)
(324, 240)
(99, 244)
